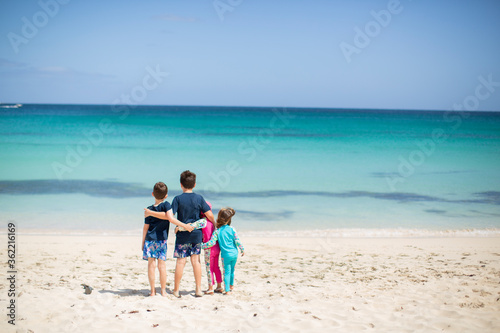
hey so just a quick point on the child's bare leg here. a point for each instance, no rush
(195, 261)
(179, 270)
(151, 275)
(162, 268)
(209, 272)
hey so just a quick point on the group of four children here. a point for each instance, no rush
(196, 229)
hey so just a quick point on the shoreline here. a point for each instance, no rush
(313, 233)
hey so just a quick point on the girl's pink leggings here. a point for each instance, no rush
(212, 264)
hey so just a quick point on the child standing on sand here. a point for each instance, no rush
(229, 244)
(188, 206)
(212, 259)
(154, 237)
(211, 256)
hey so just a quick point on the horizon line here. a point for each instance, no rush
(263, 107)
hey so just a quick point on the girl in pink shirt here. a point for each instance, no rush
(212, 258)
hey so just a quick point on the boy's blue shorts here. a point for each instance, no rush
(155, 249)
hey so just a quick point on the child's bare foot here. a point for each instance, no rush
(152, 293)
(198, 293)
(164, 293)
(176, 293)
(229, 293)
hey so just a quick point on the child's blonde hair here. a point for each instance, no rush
(224, 216)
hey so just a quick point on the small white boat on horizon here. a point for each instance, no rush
(10, 106)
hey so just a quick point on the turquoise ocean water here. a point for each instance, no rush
(284, 170)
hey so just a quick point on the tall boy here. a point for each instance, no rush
(155, 234)
(188, 206)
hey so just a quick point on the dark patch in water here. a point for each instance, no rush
(491, 197)
(435, 211)
(483, 213)
(114, 189)
(96, 188)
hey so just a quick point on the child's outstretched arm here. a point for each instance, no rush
(200, 224)
(167, 216)
(172, 219)
(212, 240)
(158, 215)
(238, 243)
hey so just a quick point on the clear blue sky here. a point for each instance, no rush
(428, 55)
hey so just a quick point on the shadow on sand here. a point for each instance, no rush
(143, 292)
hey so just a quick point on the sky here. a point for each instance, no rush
(408, 54)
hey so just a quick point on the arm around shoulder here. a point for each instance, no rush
(212, 240)
(173, 220)
(158, 215)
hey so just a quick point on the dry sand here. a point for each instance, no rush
(282, 284)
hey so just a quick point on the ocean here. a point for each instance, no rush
(286, 171)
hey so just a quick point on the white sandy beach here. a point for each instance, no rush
(282, 284)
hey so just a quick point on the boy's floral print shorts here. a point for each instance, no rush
(155, 249)
(186, 250)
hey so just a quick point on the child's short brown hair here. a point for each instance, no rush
(224, 216)
(188, 179)
(160, 190)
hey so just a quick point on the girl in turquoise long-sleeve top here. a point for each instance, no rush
(228, 243)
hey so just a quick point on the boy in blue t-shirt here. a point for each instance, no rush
(155, 235)
(188, 206)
